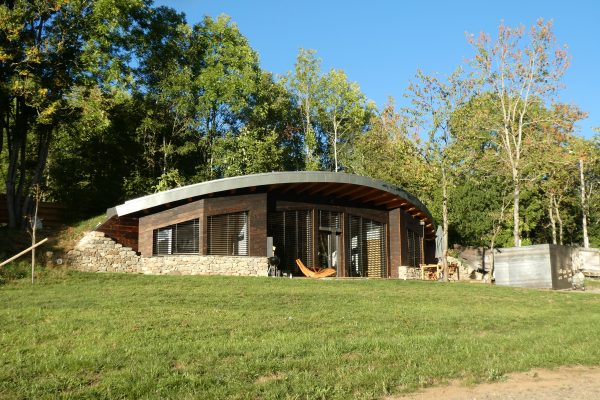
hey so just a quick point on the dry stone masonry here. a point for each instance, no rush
(98, 253)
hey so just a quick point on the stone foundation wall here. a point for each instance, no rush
(204, 265)
(97, 253)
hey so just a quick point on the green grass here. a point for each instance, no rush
(592, 283)
(132, 336)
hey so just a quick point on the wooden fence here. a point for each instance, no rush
(51, 214)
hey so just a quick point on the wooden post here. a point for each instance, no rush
(23, 252)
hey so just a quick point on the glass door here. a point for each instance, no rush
(329, 244)
(329, 241)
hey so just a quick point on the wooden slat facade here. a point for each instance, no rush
(123, 230)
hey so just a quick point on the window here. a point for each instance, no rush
(367, 248)
(228, 234)
(292, 238)
(181, 238)
(414, 248)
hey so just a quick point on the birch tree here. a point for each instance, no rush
(588, 162)
(304, 85)
(521, 69)
(343, 111)
(434, 101)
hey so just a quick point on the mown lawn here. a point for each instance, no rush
(132, 336)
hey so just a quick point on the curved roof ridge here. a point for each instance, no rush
(262, 179)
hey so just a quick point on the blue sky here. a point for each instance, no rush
(380, 44)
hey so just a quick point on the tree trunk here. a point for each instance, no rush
(552, 219)
(17, 146)
(445, 225)
(335, 145)
(516, 219)
(560, 222)
(586, 240)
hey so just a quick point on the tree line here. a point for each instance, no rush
(105, 100)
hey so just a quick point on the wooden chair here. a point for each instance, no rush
(315, 272)
(429, 272)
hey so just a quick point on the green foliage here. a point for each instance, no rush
(106, 100)
(250, 152)
(14, 271)
(343, 114)
(305, 88)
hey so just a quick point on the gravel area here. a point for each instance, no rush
(565, 383)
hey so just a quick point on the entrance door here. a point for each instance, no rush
(329, 244)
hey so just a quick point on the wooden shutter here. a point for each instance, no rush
(366, 248)
(228, 234)
(414, 248)
(181, 238)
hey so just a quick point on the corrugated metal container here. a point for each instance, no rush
(540, 266)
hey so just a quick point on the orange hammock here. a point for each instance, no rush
(315, 272)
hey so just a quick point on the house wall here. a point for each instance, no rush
(161, 219)
(254, 204)
(396, 233)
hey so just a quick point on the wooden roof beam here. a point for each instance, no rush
(334, 190)
(376, 197)
(367, 193)
(390, 201)
(353, 191)
(306, 188)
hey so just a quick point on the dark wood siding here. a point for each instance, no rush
(395, 232)
(123, 230)
(172, 216)
(256, 205)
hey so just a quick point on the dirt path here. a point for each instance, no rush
(565, 383)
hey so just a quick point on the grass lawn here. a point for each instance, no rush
(133, 336)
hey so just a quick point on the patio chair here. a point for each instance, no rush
(315, 272)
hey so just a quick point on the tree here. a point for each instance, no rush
(556, 162)
(304, 86)
(48, 48)
(387, 152)
(587, 156)
(519, 74)
(433, 102)
(197, 93)
(343, 111)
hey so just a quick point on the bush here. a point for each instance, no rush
(15, 270)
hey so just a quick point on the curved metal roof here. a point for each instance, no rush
(310, 183)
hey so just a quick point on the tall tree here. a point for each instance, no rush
(434, 102)
(587, 155)
(200, 84)
(48, 47)
(304, 85)
(387, 151)
(343, 112)
(521, 71)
